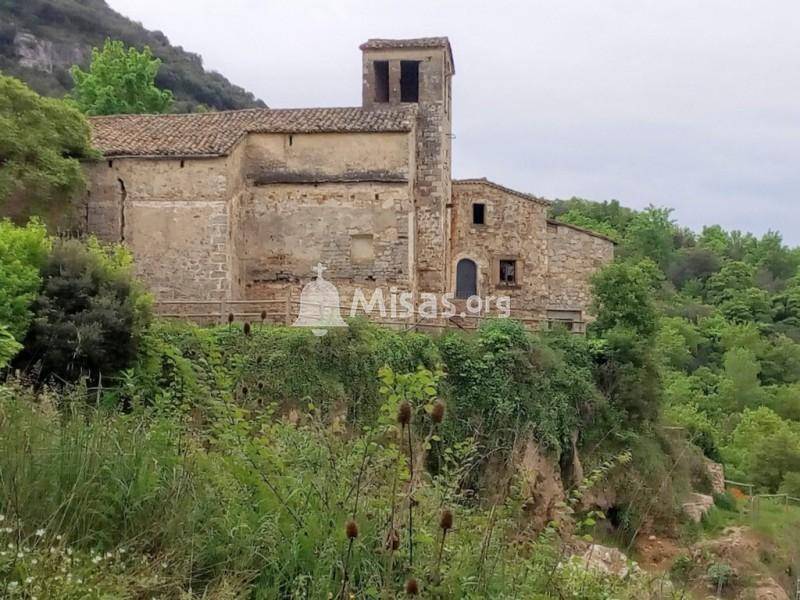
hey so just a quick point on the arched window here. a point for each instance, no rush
(466, 278)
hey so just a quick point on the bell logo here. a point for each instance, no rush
(319, 305)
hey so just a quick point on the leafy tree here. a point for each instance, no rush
(749, 305)
(23, 251)
(579, 219)
(734, 276)
(623, 297)
(120, 81)
(91, 313)
(693, 264)
(41, 143)
(650, 235)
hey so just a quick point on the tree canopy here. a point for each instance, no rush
(120, 80)
(41, 143)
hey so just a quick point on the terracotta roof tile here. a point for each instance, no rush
(215, 133)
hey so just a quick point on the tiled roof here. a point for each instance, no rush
(502, 188)
(215, 133)
(427, 42)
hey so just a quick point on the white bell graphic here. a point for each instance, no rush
(319, 305)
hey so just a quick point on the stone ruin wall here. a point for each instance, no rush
(573, 257)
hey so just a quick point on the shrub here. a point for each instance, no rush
(91, 313)
(23, 251)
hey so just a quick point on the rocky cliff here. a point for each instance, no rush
(41, 39)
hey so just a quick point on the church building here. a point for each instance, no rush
(241, 205)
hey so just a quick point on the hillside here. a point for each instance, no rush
(41, 39)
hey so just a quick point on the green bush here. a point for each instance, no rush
(23, 251)
(91, 313)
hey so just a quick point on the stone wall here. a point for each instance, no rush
(174, 216)
(574, 255)
(514, 228)
(359, 231)
(433, 151)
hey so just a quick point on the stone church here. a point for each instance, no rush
(240, 205)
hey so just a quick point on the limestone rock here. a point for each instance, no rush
(765, 589)
(716, 474)
(608, 560)
(542, 484)
(697, 505)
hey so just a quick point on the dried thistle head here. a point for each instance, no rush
(351, 529)
(230, 318)
(412, 587)
(437, 412)
(404, 413)
(263, 315)
(446, 519)
(392, 539)
(247, 328)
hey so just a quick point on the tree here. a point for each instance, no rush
(623, 297)
(650, 235)
(734, 276)
(41, 143)
(23, 251)
(91, 313)
(120, 81)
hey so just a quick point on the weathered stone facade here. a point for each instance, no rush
(240, 205)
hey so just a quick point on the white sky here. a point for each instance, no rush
(692, 104)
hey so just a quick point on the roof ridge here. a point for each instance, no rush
(502, 188)
(388, 108)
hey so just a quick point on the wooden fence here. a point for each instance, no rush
(284, 310)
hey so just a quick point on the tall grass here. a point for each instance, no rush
(249, 506)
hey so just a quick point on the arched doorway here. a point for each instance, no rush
(466, 278)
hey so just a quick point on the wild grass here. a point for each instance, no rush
(253, 505)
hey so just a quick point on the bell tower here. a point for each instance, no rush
(420, 71)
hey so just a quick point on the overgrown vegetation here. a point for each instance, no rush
(727, 333)
(41, 143)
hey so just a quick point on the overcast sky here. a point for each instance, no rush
(692, 104)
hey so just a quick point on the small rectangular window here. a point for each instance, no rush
(409, 81)
(381, 80)
(478, 213)
(508, 272)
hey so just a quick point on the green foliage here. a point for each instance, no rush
(86, 24)
(90, 314)
(505, 381)
(41, 143)
(8, 346)
(720, 574)
(622, 296)
(253, 505)
(650, 235)
(579, 219)
(120, 81)
(23, 251)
